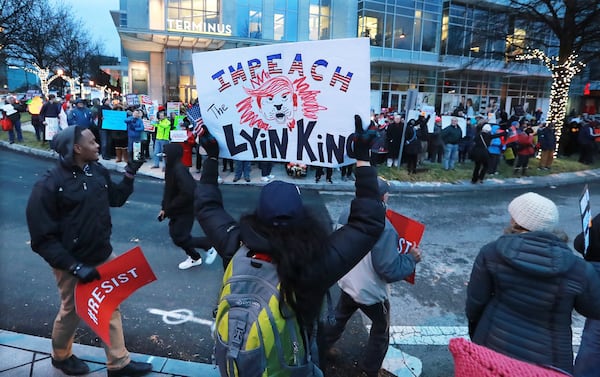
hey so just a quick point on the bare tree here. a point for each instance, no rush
(564, 35)
(13, 21)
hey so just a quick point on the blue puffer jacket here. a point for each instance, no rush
(522, 292)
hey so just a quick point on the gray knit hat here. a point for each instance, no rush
(534, 212)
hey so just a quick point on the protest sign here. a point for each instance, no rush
(586, 218)
(120, 277)
(178, 136)
(114, 120)
(409, 232)
(51, 128)
(173, 108)
(132, 99)
(285, 102)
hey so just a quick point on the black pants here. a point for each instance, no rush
(180, 228)
(346, 171)
(481, 167)
(319, 173)
(379, 336)
(411, 162)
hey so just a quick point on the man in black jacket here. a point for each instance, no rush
(68, 215)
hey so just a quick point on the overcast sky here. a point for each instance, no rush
(95, 14)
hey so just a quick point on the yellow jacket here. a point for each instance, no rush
(163, 129)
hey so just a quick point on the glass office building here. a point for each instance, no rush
(448, 51)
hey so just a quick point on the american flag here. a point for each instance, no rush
(195, 117)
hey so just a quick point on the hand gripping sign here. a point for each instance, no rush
(409, 232)
(120, 277)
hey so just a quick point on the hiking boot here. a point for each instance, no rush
(134, 368)
(189, 262)
(72, 366)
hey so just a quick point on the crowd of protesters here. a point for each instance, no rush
(497, 313)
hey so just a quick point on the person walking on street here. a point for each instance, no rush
(178, 206)
(525, 285)
(68, 215)
(366, 288)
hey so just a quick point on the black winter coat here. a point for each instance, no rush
(522, 292)
(74, 225)
(178, 196)
(394, 139)
(347, 245)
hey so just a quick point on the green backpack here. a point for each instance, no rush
(252, 337)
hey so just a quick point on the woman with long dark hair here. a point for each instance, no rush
(282, 231)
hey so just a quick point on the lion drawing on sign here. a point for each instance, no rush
(273, 102)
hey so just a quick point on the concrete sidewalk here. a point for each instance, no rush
(490, 183)
(29, 356)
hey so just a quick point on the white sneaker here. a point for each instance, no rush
(219, 180)
(265, 179)
(210, 255)
(189, 262)
(271, 176)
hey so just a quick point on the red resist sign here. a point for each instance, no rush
(409, 232)
(96, 301)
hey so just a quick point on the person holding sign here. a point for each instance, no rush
(68, 215)
(283, 232)
(365, 287)
(586, 363)
(525, 285)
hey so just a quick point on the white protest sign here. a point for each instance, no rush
(285, 102)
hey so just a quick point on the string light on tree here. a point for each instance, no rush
(562, 75)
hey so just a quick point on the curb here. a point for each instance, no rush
(397, 187)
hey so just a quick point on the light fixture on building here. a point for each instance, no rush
(402, 36)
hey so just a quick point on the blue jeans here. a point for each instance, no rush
(450, 156)
(242, 167)
(586, 363)
(11, 133)
(158, 149)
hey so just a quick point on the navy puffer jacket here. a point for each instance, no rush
(521, 295)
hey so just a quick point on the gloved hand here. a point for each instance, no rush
(85, 273)
(209, 143)
(362, 140)
(133, 166)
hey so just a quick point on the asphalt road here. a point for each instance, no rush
(170, 317)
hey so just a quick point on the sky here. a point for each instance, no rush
(95, 15)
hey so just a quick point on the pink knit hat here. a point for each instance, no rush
(472, 360)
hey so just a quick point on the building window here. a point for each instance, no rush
(404, 25)
(319, 19)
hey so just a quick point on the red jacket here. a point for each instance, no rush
(525, 144)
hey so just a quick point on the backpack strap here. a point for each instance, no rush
(238, 337)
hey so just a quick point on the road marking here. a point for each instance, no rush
(179, 316)
(441, 335)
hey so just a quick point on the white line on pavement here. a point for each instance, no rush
(440, 335)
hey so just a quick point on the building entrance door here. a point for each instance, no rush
(395, 101)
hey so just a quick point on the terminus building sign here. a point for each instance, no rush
(202, 27)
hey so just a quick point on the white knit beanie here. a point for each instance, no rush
(534, 212)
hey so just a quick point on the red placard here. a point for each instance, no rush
(409, 232)
(120, 277)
